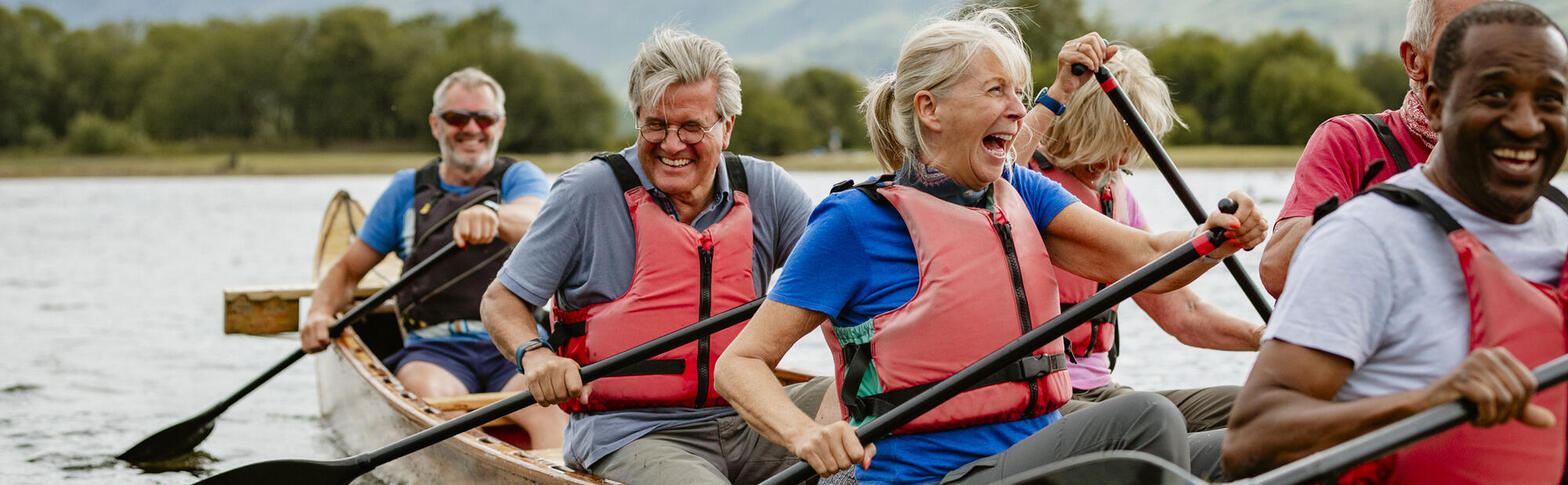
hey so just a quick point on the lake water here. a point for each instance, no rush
(111, 314)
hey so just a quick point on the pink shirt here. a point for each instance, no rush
(1336, 159)
(1095, 370)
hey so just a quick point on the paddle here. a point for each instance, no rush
(181, 438)
(346, 470)
(1173, 177)
(1034, 339)
(1334, 461)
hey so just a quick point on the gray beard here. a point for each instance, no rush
(463, 164)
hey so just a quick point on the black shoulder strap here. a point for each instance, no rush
(428, 176)
(1042, 162)
(497, 173)
(1557, 197)
(1418, 201)
(1389, 142)
(736, 172)
(869, 188)
(624, 175)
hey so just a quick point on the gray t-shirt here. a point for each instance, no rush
(1379, 284)
(581, 251)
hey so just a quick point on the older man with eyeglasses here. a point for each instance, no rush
(636, 244)
(469, 196)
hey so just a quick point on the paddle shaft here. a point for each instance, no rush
(1342, 457)
(353, 316)
(374, 458)
(184, 436)
(1162, 160)
(1054, 329)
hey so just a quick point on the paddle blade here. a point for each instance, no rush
(172, 442)
(296, 472)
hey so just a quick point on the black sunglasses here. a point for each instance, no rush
(459, 118)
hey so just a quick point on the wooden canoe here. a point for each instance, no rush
(365, 406)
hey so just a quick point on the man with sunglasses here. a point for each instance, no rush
(469, 196)
(636, 244)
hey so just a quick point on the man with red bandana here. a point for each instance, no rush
(482, 202)
(636, 244)
(1339, 159)
(1446, 282)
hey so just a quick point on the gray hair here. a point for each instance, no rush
(672, 56)
(1093, 130)
(471, 78)
(933, 58)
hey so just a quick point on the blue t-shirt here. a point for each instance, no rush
(856, 260)
(387, 226)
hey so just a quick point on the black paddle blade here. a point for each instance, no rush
(296, 472)
(172, 442)
(1106, 468)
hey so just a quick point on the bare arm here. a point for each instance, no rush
(1277, 254)
(334, 292)
(1182, 314)
(480, 224)
(510, 322)
(516, 216)
(1089, 50)
(744, 376)
(1286, 409)
(1088, 244)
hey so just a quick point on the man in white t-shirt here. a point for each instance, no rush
(1375, 323)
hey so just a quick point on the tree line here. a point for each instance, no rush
(356, 76)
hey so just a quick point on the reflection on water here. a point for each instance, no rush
(111, 316)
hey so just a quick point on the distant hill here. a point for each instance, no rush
(784, 36)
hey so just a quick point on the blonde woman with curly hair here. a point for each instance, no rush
(1088, 151)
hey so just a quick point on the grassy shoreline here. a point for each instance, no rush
(341, 163)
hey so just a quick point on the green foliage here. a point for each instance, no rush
(1193, 134)
(769, 124)
(1293, 95)
(37, 136)
(829, 99)
(28, 70)
(1384, 76)
(91, 134)
(353, 74)
(1191, 62)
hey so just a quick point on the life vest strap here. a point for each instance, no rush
(652, 367)
(564, 332)
(868, 187)
(1386, 136)
(857, 359)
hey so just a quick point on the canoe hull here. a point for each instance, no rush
(366, 408)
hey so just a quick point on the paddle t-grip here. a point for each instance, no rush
(1079, 69)
(1227, 206)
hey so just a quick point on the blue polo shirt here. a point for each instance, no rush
(856, 260)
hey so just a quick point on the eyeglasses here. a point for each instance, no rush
(459, 118)
(691, 132)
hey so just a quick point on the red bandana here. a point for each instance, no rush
(1414, 115)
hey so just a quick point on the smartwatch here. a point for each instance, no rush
(530, 345)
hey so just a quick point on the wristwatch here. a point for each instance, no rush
(492, 205)
(530, 345)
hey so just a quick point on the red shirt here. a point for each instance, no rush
(1336, 159)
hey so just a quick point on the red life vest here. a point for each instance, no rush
(976, 294)
(1099, 333)
(680, 276)
(1508, 311)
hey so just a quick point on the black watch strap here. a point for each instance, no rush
(526, 347)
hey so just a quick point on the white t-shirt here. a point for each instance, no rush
(1379, 284)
